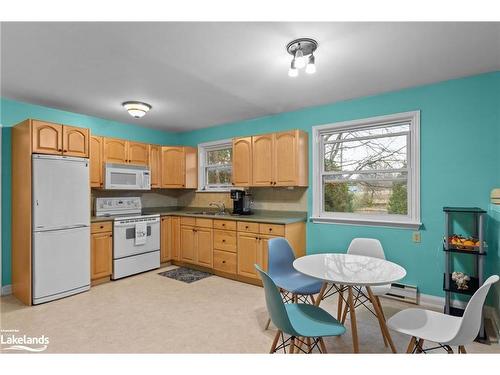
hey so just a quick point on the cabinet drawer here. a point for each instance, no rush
(246, 226)
(274, 229)
(224, 261)
(225, 240)
(101, 227)
(204, 223)
(225, 224)
(188, 221)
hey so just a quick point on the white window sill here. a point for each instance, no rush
(414, 225)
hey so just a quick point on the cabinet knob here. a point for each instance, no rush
(59, 149)
(271, 182)
(246, 226)
(223, 261)
(223, 240)
(270, 229)
(102, 226)
(65, 150)
(223, 224)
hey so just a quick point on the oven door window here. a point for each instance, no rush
(130, 233)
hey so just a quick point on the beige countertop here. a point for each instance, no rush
(261, 216)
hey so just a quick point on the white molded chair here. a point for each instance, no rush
(445, 330)
(370, 247)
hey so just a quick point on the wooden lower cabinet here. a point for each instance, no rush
(196, 245)
(188, 244)
(252, 250)
(232, 249)
(225, 261)
(204, 247)
(101, 255)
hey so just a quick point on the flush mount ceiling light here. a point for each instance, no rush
(302, 50)
(136, 109)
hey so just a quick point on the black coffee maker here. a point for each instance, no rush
(242, 202)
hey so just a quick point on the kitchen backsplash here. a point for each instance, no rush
(276, 199)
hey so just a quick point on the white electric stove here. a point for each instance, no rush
(136, 237)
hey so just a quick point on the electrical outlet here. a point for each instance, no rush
(416, 236)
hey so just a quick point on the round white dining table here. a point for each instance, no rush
(348, 271)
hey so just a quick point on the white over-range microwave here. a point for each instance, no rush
(126, 177)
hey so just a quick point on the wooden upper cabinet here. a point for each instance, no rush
(138, 153)
(242, 162)
(96, 161)
(155, 165)
(285, 159)
(115, 150)
(179, 167)
(47, 137)
(262, 160)
(172, 165)
(75, 141)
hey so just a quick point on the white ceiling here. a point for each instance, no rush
(197, 75)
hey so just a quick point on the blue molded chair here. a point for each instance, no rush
(287, 278)
(298, 320)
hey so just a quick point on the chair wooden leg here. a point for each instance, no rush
(321, 294)
(322, 345)
(352, 315)
(308, 342)
(313, 301)
(420, 344)
(267, 324)
(411, 345)
(340, 303)
(381, 320)
(292, 345)
(275, 342)
(461, 349)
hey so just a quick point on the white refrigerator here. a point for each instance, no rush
(61, 227)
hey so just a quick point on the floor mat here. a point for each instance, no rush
(186, 275)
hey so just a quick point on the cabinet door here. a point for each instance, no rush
(101, 255)
(263, 258)
(154, 165)
(262, 160)
(96, 164)
(285, 158)
(188, 245)
(47, 138)
(248, 254)
(115, 151)
(75, 141)
(242, 161)
(176, 238)
(172, 167)
(138, 153)
(166, 240)
(204, 247)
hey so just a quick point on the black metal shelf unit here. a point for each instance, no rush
(477, 252)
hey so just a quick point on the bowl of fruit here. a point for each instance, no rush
(463, 243)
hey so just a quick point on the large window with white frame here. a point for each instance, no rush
(215, 165)
(367, 171)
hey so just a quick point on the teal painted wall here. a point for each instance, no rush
(13, 112)
(460, 164)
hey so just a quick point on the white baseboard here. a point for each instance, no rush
(6, 290)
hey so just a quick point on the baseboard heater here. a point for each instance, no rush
(403, 292)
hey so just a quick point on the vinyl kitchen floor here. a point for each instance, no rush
(149, 313)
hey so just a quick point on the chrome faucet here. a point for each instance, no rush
(220, 206)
